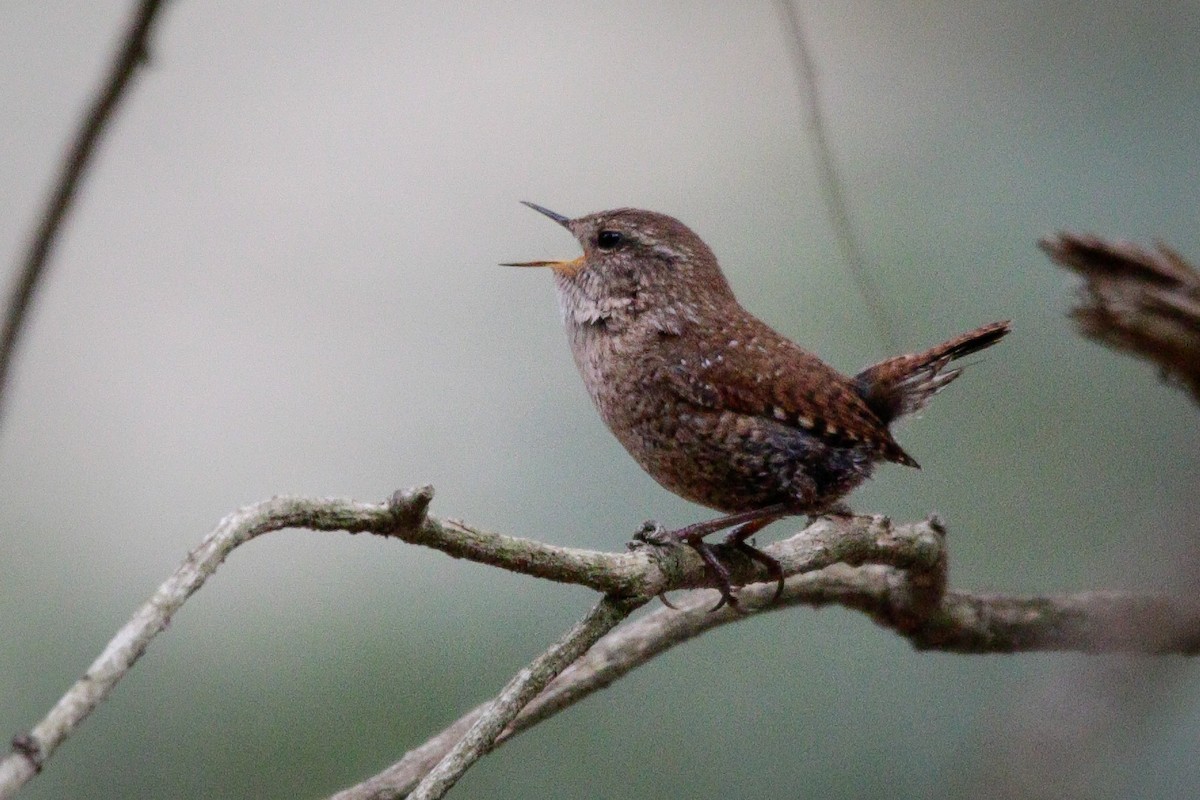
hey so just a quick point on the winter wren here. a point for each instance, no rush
(713, 403)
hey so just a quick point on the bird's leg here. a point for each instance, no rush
(698, 530)
(719, 574)
(747, 523)
(737, 539)
(838, 509)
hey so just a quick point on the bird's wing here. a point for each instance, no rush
(754, 370)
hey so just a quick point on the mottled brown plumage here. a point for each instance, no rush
(710, 401)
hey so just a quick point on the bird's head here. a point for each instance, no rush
(633, 262)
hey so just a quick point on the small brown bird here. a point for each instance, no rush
(713, 403)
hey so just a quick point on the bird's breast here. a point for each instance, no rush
(621, 368)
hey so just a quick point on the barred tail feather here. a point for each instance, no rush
(904, 384)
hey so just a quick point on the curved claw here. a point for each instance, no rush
(651, 532)
(729, 599)
(772, 565)
(662, 596)
(719, 573)
(746, 522)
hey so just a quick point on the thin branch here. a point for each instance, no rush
(132, 54)
(1142, 302)
(639, 574)
(1145, 302)
(962, 622)
(903, 588)
(30, 750)
(479, 738)
(808, 84)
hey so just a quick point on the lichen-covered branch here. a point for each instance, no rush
(894, 573)
(1143, 302)
(131, 641)
(527, 683)
(642, 573)
(961, 622)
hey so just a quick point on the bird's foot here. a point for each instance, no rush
(744, 524)
(654, 534)
(737, 540)
(717, 572)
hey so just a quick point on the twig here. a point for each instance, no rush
(1055, 741)
(1090, 622)
(520, 690)
(1142, 302)
(133, 54)
(32, 749)
(808, 85)
(904, 588)
(643, 573)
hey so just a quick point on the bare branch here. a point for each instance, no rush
(962, 622)
(1143, 302)
(639, 574)
(902, 587)
(123, 650)
(516, 695)
(133, 54)
(808, 84)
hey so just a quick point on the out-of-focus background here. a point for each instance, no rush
(281, 278)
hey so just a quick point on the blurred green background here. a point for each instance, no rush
(281, 279)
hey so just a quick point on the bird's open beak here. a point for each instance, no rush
(568, 268)
(559, 218)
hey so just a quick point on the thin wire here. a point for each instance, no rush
(807, 85)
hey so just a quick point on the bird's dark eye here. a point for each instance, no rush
(608, 240)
